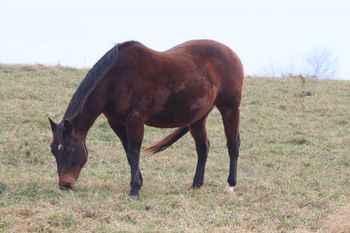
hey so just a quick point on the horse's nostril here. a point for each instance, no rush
(65, 187)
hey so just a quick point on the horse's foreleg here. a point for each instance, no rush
(134, 132)
(199, 133)
(120, 131)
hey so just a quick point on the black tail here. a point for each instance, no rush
(167, 141)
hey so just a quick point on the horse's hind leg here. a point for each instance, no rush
(230, 117)
(199, 133)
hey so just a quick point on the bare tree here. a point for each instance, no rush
(321, 63)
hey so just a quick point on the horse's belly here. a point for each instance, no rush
(180, 110)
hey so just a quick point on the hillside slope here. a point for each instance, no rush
(293, 175)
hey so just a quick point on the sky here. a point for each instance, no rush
(269, 36)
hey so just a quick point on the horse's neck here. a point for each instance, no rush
(84, 114)
(83, 121)
(91, 96)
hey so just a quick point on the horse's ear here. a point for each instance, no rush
(68, 126)
(53, 124)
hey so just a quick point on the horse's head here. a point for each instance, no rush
(70, 152)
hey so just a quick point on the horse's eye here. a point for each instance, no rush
(60, 147)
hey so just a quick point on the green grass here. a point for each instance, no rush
(293, 176)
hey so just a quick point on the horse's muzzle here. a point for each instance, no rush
(66, 183)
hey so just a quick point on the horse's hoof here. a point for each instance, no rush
(228, 188)
(134, 197)
(196, 186)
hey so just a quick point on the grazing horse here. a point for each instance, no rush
(133, 85)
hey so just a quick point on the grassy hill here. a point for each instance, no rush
(293, 175)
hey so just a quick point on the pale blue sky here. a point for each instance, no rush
(269, 33)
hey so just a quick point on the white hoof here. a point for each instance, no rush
(228, 188)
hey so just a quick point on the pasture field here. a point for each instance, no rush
(293, 174)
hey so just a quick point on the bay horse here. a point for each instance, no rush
(133, 85)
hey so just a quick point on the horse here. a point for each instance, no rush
(133, 85)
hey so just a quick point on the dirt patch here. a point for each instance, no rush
(338, 221)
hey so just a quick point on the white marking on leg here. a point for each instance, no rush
(228, 188)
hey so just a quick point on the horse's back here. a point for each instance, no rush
(214, 55)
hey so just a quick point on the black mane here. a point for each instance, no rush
(95, 74)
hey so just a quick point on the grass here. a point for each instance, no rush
(294, 169)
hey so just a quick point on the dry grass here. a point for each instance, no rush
(294, 169)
